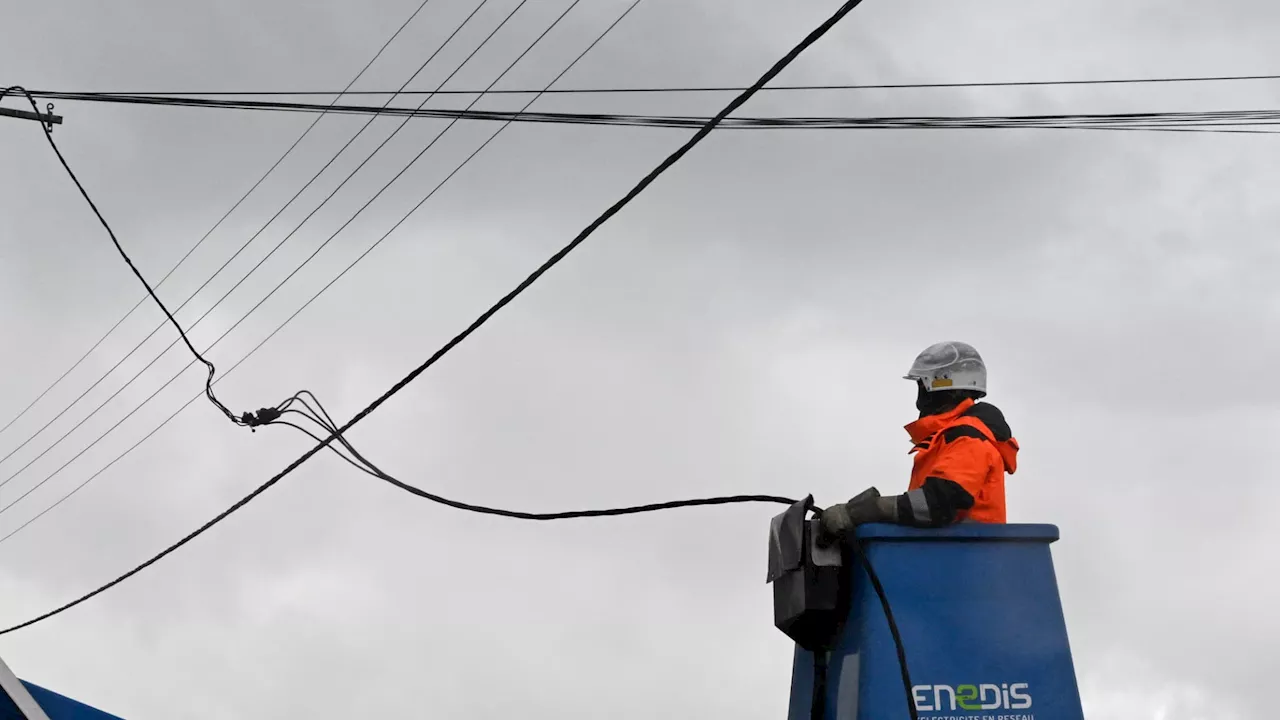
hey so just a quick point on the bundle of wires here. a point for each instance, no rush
(1231, 121)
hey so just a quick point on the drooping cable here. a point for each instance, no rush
(844, 9)
(260, 417)
(287, 320)
(253, 188)
(247, 419)
(208, 386)
(323, 420)
(883, 597)
(256, 419)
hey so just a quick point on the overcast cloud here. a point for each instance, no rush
(741, 327)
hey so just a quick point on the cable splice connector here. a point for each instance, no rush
(264, 416)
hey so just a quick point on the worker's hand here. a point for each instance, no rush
(838, 521)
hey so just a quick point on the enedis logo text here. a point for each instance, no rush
(966, 699)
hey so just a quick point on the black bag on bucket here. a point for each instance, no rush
(809, 594)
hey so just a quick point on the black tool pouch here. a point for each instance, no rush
(809, 595)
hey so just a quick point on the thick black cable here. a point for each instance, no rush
(817, 33)
(319, 410)
(322, 418)
(317, 438)
(576, 514)
(208, 386)
(876, 585)
(368, 467)
(217, 224)
(364, 465)
(314, 410)
(723, 88)
(248, 419)
(228, 331)
(818, 696)
(286, 322)
(198, 290)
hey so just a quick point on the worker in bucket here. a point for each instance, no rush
(962, 447)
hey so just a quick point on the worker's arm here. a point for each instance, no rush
(952, 484)
(956, 479)
(934, 504)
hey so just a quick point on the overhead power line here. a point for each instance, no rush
(208, 386)
(1246, 122)
(261, 415)
(711, 88)
(555, 259)
(216, 225)
(302, 308)
(1228, 121)
(250, 419)
(266, 414)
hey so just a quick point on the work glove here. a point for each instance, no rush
(838, 521)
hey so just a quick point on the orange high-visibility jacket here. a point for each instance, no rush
(971, 446)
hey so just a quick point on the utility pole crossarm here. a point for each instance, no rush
(47, 118)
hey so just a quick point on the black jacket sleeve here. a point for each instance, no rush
(935, 504)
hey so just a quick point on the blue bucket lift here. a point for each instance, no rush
(976, 606)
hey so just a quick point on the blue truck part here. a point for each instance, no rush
(60, 707)
(22, 700)
(981, 621)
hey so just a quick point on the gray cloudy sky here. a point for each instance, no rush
(741, 327)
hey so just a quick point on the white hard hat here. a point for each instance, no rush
(949, 366)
